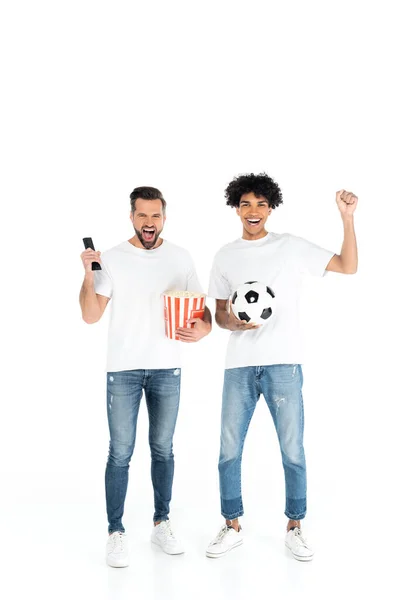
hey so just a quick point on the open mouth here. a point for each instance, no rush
(253, 222)
(149, 233)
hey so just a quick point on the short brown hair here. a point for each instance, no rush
(147, 193)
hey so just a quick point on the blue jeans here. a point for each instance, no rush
(124, 392)
(281, 387)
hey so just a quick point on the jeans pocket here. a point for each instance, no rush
(288, 373)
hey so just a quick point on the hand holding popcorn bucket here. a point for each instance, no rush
(179, 307)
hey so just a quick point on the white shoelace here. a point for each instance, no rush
(117, 540)
(221, 534)
(166, 531)
(300, 538)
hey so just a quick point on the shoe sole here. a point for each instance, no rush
(211, 555)
(117, 565)
(298, 557)
(170, 553)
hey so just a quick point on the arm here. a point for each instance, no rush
(202, 327)
(92, 305)
(207, 317)
(227, 320)
(222, 313)
(347, 260)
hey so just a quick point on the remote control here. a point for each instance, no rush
(88, 243)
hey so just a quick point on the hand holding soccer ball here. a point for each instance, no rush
(235, 324)
(253, 303)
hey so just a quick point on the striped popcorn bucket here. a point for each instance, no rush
(180, 306)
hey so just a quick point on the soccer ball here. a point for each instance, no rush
(253, 302)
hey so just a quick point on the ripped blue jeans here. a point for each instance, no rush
(281, 386)
(124, 392)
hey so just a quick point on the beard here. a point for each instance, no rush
(145, 243)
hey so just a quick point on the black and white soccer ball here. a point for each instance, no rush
(253, 302)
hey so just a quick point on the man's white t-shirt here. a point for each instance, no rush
(281, 261)
(135, 280)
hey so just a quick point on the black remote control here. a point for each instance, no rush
(88, 243)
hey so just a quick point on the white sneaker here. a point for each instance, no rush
(163, 536)
(227, 539)
(117, 550)
(298, 545)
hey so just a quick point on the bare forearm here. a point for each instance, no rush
(221, 318)
(348, 254)
(226, 319)
(90, 307)
(207, 316)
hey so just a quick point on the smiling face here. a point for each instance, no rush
(148, 221)
(253, 213)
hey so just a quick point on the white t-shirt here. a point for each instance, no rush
(280, 261)
(135, 280)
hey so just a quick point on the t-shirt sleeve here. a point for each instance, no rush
(218, 287)
(310, 258)
(103, 284)
(192, 283)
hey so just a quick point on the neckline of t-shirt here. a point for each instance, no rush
(258, 242)
(137, 250)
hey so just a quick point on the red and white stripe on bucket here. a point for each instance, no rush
(180, 306)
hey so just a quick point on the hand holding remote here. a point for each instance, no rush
(90, 257)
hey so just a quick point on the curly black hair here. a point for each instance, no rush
(261, 185)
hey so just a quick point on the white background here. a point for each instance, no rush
(100, 97)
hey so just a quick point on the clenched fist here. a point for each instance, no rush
(347, 203)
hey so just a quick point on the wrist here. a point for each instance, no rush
(348, 218)
(228, 323)
(89, 278)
